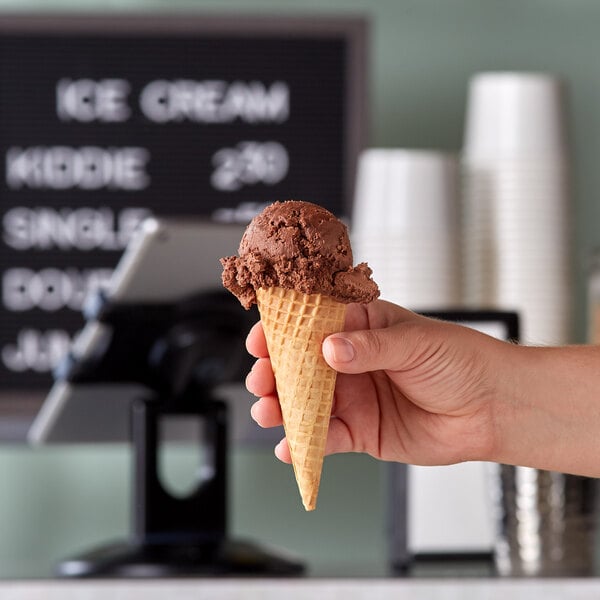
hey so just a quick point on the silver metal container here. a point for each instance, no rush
(546, 523)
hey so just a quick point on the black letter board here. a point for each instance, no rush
(104, 121)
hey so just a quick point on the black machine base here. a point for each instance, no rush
(179, 353)
(193, 559)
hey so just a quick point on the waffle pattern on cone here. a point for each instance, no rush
(295, 326)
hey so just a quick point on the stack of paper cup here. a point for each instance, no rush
(516, 202)
(405, 225)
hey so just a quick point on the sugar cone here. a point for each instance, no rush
(295, 325)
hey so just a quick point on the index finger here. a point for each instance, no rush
(256, 344)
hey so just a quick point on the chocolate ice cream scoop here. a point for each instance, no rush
(299, 246)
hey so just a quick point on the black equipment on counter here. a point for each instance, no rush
(179, 352)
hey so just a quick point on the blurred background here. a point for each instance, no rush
(421, 56)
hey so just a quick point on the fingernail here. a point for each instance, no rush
(339, 350)
(248, 380)
(249, 377)
(278, 448)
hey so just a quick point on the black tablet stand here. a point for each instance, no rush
(180, 352)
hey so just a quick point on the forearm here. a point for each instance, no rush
(547, 410)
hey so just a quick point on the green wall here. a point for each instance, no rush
(422, 55)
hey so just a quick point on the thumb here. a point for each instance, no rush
(392, 348)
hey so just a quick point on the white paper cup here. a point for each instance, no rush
(405, 224)
(399, 190)
(371, 196)
(513, 115)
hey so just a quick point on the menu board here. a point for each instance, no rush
(105, 121)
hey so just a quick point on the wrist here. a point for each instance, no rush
(510, 405)
(546, 412)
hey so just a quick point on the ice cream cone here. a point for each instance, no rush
(295, 261)
(295, 325)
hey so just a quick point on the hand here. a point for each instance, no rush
(409, 388)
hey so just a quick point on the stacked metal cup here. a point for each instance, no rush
(545, 523)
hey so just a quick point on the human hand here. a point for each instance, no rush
(409, 388)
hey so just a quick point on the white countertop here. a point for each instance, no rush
(296, 589)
